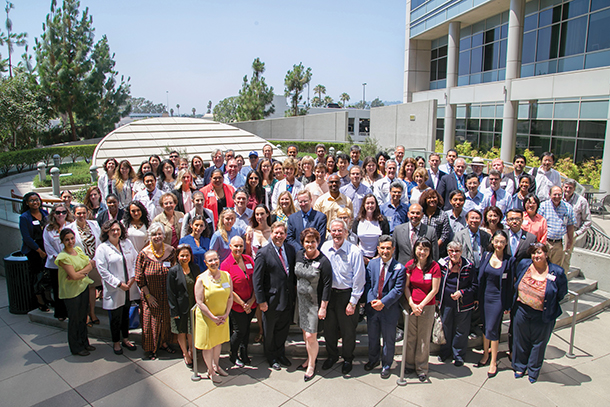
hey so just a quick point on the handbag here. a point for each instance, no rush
(438, 335)
(43, 282)
(134, 316)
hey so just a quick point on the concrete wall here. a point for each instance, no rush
(593, 266)
(410, 124)
(11, 241)
(322, 127)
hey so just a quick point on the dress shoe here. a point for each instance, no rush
(371, 365)
(532, 379)
(243, 356)
(221, 372)
(422, 377)
(400, 334)
(284, 361)
(441, 359)
(301, 368)
(408, 370)
(385, 373)
(328, 363)
(481, 364)
(308, 378)
(275, 365)
(83, 352)
(347, 367)
(90, 348)
(458, 363)
(118, 351)
(519, 375)
(492, 375)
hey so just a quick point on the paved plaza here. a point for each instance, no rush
(36, 367)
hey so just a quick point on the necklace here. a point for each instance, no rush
(152, 248)
(215, 280)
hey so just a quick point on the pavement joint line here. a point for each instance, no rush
(512, 398)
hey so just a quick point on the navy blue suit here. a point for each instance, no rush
(441, 174)
(317, 220)
(383, 323)
(445, 186)
(533, 328)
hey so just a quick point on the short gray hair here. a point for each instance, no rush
(216, 151)
(570, 181)
(397, 184)
(154, 228)
(343, 224)
(454, 246)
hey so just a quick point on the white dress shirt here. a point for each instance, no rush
(348, 268)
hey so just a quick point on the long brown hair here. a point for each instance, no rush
(53, 225)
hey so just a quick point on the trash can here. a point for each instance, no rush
(19, 283)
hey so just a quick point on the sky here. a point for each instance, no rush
(191, 51)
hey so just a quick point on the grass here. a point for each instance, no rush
(79, 170)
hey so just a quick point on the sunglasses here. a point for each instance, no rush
(61, 212)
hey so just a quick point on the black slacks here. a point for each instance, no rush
(338, 322)
(119, 320)
(276, 325)
(58, 304)
(77, 309)
(240, 326)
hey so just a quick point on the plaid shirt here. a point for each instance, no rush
(558, 218)
(440, 222)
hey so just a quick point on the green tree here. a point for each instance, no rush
(377, 103)
(344, 98)
(316, 102)
(225, 111)
(10, 38)
(23, 112)
(319, 90)
(255, 95)
(294, 82)
(171, 112)
(77, 76)
(178, 109)
(327, 100)
(209, 107)
(193, 110)
(142, 105)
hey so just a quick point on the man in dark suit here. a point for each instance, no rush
(112, 205)
(384, 286)
(434, 173)
(406, 234)
(274, 288)
(218, 158)
(519, 240)
(474, 241)
(307, 217)
(450, 182)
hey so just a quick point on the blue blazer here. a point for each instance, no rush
(556, 289)
(445, 186)
(506, 283)
(317, 220)
(393, 285)
(26, 228)
(441, 174)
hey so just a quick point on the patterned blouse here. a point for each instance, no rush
(88, 240)
(440, 222)
(531, 291)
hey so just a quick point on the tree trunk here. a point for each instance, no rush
(72, 124)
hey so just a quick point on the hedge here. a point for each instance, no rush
(310, 146)
(29, 159)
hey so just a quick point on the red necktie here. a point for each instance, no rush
(493, 198)
(381, 281)
(282, 260)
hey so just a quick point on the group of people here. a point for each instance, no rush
(369, 238)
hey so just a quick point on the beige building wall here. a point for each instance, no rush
(411, 124)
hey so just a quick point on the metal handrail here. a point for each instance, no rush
(195, 377)
(570, 354)
(401, 380)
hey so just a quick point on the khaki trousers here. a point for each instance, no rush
(418, 336)
(556, 253)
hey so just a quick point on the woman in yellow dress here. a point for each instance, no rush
(213, 291)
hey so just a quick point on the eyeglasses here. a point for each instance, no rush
(174, 156)
(514, 219)
(61, 212)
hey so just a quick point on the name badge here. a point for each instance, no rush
(226, 285)
(504, 276)
(551, 277)
(248, 266)
(209, 220)
(427, 277)
(211, 194)
(180, 220)
(397, 267)
(315, 264)
(36, 222)
(167, 264)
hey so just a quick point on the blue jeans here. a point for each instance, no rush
(456, 326)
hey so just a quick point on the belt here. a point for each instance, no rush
(341, 290)
(554, 240)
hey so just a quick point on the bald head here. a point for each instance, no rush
(415, 214)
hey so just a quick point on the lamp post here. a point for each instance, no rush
(363, 95)
(167, 95)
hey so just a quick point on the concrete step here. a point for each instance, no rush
(581, 286)
(573, 273)
(588, 304)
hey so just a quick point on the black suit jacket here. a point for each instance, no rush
(317, 220)
(180, 205)
(441, 174)
(404, 246)
(524, 244)
(445, 186)
(271, 283)
(102, 216)
(177, 295)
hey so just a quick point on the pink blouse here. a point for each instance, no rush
(536, 226)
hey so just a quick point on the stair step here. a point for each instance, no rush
(580, 285)
(588, 304)
(573, 272)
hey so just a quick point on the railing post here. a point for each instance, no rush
(42, 171)
(93, 173)
(401, 380)
(570, 354)
(195, 377)
(56, 160)
(55, 180)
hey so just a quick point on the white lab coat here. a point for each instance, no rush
(109, 262)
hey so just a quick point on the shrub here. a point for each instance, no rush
(23, 159)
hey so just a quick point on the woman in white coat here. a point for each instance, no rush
(87, 237)
(115, 259)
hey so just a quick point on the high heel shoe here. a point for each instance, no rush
(481, 364)
(215, 378)
(307, 377)
(220, 371)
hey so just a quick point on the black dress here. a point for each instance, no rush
(314, 283)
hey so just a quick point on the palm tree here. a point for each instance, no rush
(11, 39)
(319, 90)
(344, 98)
(193, 112)
(171, 112)
(327, 100)
(178, 107)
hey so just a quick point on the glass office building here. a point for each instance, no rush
(513, 74)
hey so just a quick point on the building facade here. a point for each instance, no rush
(514, 74)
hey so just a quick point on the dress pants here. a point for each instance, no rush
(58, 304)
(456, 326)
(418, 337)
(119, 320)
(77, 309)
(338, 322)
(240, 325)
(276, 325)
(531, 336)
(380, 324)
(556, 253)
